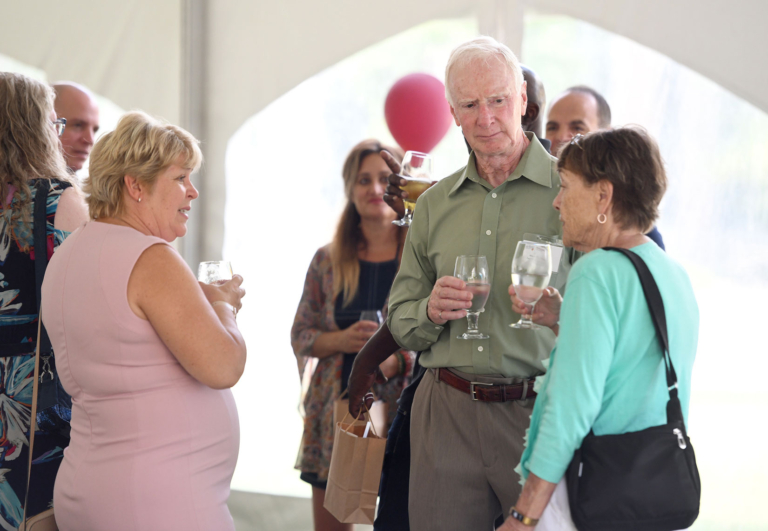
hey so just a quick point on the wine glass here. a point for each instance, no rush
(417, 171)
(473, 270)
(217, 272)
(531, 269)
(372, 315)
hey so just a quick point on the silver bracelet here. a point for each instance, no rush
(227, 305)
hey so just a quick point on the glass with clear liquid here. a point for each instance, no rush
(473, 270)
(531, 271)
(217, 272)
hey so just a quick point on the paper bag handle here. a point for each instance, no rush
(373, 428)
(356, 418)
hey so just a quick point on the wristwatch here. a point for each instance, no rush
(522, 518)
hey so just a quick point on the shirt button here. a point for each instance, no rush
(488, 232)
(479, 349)
(437, 328)
(493, 195)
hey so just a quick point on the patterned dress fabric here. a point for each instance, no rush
(18, 324)
(152, 448)
(314, 316)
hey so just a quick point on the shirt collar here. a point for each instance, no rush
(535, 165)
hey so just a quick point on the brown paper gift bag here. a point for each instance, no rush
(353, 479)
(377, 414)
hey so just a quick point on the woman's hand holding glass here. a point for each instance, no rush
(531, 271)
(547, 309)
(229, 291)
(219, 284)
(353, 338)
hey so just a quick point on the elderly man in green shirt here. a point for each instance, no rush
(472, 409)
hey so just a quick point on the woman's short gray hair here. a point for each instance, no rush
(482, 48)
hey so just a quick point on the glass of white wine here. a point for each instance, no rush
(417, 171)
(473, 270)
(217, 272)
(531, 270)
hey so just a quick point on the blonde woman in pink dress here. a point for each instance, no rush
(147, 353)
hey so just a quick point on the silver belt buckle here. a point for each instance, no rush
(473, 391)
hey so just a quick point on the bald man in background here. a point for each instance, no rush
(578, 111)
(78, 105)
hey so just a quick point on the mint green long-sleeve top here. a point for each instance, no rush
(606, 371)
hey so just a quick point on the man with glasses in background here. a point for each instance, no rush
(77, 105)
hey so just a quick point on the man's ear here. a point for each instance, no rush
(453, 113)
(531, 113)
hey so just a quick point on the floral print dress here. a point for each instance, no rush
(18, 324)
(315, 316)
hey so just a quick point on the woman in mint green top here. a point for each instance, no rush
(606, 371)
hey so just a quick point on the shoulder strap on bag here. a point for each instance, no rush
(658, 316)
(41, 251)
(32, 422)
(43, 342)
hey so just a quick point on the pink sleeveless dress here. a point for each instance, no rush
(152, 448)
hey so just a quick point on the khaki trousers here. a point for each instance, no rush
(463, 456)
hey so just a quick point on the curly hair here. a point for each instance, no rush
(29, 146)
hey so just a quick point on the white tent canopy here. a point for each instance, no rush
(209, 66)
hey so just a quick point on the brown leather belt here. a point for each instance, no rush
(485, 392)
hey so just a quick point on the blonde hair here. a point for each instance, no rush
(141, 147)
(482, 48)
(349, 239)
(29, 146)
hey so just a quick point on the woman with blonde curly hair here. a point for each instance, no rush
(147, 353)
(31, 168)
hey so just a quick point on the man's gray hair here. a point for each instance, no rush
(481, 48)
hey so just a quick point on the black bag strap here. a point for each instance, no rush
(658, 316)
(41, 253)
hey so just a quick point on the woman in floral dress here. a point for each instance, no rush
(29, 152)
(352, 274)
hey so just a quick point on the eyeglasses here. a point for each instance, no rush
(59, 125)
(575, 141)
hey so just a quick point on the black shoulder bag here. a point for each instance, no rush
(645, 480)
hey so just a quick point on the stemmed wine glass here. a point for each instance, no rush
(417, 171)
(217, 272)
(531, 269)
(473, 270)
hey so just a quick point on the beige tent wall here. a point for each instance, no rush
(260, 50)
(210, 65)
(126, 51)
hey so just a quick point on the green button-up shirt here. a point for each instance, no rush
(464, 215)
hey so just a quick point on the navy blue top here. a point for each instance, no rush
(655, 235)
(373, 289)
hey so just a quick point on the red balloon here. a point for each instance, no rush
(417, 113)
